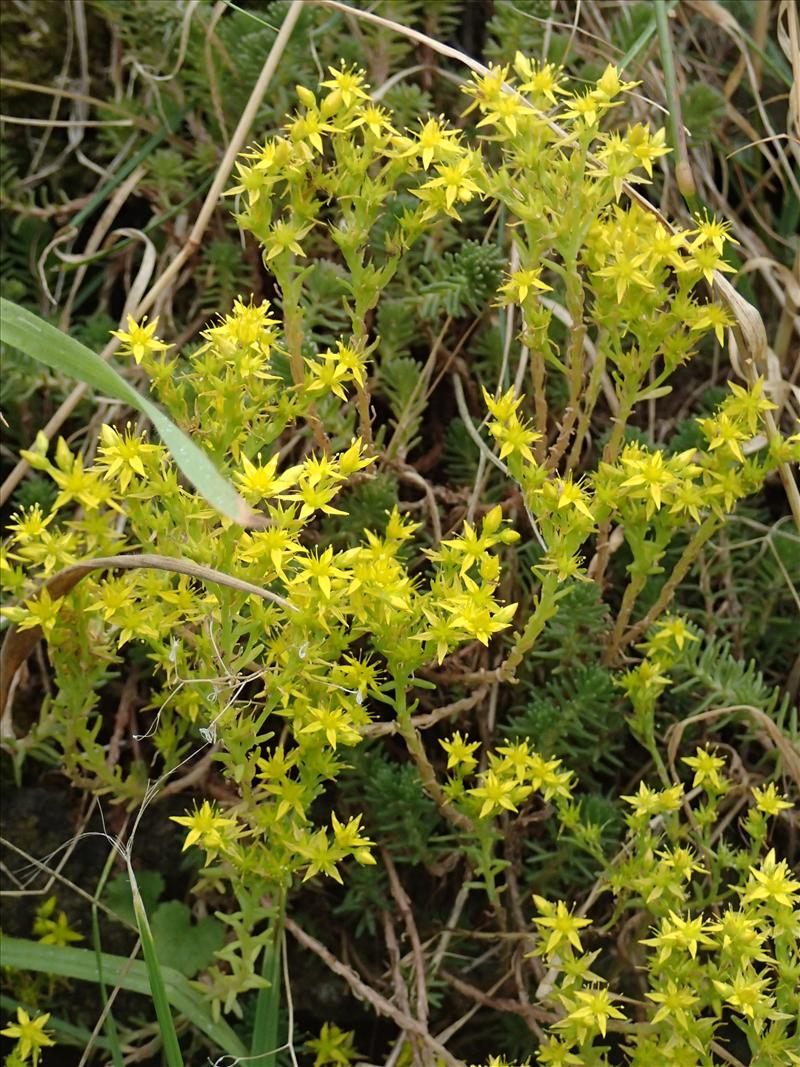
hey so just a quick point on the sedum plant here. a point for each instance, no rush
(713, 950)
(279, 650)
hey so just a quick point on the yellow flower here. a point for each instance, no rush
(124, 456)
(321, 855)
(561, 923)
(486, 88)
(349, 359)
(292, 796)
(252, 181)
(521, 282)
(593, 1007)
(285, 236)
(140, 340)
(625, 270)
(42, 611)
(335, 724)
(347, 837)
(771, 882)
(671, 631)
(29, 1034)
(258, 482)
(374, 119)
(513, 436)
(746, 993)
(705, 259)
(674, 1001)
(334, 1047)
(647, 802)
(748, 405)
(665, 247)
(30, 525)
(738, 935)
(320, 567)
(205, 826)
(722, 431)
(769, 800)
(459, 752)
(651, 473)
(346, 88)
(353, 459)
(583, 108)
(570, 495)
(713, 316)
(705, 766)
(433, 141)
(445, 632)
(539, 80)
(608, 85)
(504, 406)
(689, 498)
(553, 1053)
(52, 931)
(455, 182)
(495, 793)
(712, 231)
(275, 544)
(676, 932)
(646, 146)
(307, 130)
(504, 110)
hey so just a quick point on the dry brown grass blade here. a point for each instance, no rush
(789, 752)
(96, 238)
(193, 241)
(789, 42)
(751, 341)
(240, 135)
(93, 101)
(364, 992)
(18, 644)
(722, 17)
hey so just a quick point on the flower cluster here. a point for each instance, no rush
(289, 641)
(515, 772)
(737, 961)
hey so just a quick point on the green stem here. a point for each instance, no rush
(610, 453)
(416, 749)
(629, 597)
(690, 554)
(588, 406)
(546, 607)
(683, 168)
(575, 362)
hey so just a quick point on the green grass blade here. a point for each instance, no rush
(158, 991)
(109, 1025)
(81, 964)
(174, 120)
(43, 342)
(265, 1025)
(642, 40)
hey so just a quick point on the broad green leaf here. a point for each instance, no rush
(187, 946)
(119, 898)
(81, 964)
(43, 342)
